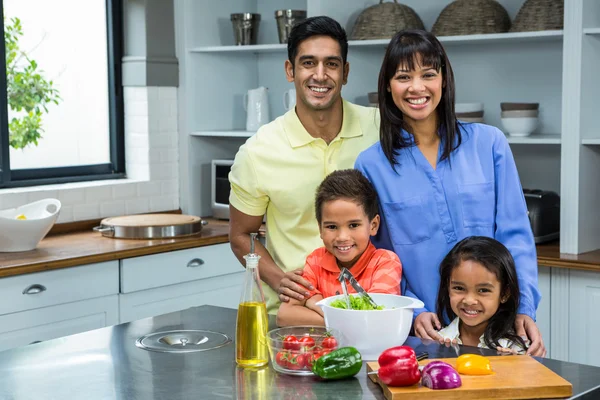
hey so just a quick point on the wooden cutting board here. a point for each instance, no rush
(151, 220)
(515, 377)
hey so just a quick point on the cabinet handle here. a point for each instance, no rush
(34, 289)
(196, 262)
(36, 341)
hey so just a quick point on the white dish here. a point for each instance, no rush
(520, 127)
(23, 235)
(371, 332)
(468, 107)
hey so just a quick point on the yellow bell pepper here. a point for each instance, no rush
(473, 364)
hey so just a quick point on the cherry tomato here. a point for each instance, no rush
(281, 358)
(329, 343)
(295, 361)
(306, 343)
(290, 342)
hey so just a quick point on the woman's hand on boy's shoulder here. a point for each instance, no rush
(525, 327)
(294, 286)
(427, 325)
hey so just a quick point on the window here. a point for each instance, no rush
(61, 106)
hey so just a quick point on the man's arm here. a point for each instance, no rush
(241, 225)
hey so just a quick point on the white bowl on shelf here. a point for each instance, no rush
(520, 127)
(467, 107)
(25, 234)
(372, 331)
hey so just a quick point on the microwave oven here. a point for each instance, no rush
(219, 192)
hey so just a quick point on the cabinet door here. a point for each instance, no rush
(584, 324)
(223, 291)
(47, 323)
(543, 311)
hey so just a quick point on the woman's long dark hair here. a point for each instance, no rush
(407, 48)
(497, 259)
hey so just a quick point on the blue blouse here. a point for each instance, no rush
(425, 211)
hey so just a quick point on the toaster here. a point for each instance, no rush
(543, 209)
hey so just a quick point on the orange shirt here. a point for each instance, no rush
(377, 271)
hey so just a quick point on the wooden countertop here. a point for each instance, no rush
(86, 246)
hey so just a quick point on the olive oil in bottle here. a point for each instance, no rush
(252, 321)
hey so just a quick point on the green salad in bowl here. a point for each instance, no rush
(357, 302)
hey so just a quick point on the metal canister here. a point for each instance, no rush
(286, 19)
(245, 28)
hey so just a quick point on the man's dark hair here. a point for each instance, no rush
(316, 26)
(347, 184)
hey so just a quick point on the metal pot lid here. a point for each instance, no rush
(182, 341)
(150, 226)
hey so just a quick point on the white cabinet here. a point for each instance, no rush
(543, 315)
(173, 281)
(47, 323)
(582, 319)
(51, 304)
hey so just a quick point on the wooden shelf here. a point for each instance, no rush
(545, 138)
(224, 134)
(463, 39)
(591, 31)
(590, 141)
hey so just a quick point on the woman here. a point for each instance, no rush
(440, 180)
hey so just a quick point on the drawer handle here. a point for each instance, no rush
(36, 341)
(196, 262)
(34, 289)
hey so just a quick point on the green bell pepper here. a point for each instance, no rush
(341, 363)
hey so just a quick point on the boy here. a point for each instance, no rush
(347, 213)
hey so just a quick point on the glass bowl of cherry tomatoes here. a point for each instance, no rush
(294, 349)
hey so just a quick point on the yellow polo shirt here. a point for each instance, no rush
(277, 172)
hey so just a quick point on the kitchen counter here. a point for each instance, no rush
(106, 364)
(86, 246)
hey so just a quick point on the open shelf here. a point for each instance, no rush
(224, 134)
(545, 138)
(590, 141)
(463, 39)
(591, 31)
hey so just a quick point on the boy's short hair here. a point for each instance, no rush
(349, 184)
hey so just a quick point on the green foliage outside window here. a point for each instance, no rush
(28, 91)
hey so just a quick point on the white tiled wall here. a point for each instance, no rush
(151, 155)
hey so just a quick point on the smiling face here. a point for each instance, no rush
(346, 230)
(417, 93)
(318, 74)
(475, 295)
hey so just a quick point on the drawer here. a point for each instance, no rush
(43, 289)
(147, 272)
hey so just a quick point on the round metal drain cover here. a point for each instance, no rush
(183, 341)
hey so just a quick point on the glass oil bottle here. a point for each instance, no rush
(252, 321)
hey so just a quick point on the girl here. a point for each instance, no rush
(440, 180)
(479, 293)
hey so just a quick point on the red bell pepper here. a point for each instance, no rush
(398, 366)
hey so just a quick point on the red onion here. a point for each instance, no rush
(440, 375)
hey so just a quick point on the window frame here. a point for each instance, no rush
(114, 169)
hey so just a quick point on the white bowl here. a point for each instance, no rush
(371, 332)
(24, 235)
(468, 107)
(520, 126)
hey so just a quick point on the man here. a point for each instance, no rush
(278, 169)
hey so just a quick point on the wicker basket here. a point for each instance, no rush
(471, 17)
(539, 15)
(383, 20)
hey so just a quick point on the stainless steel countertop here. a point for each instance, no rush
(106, 364)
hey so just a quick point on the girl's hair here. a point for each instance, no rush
(408, 47)
(497, 259)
